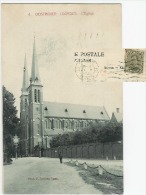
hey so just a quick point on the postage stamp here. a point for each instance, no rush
(134, 61)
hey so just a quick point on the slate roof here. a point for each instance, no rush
(65, 110)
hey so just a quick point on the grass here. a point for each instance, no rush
(106, 183)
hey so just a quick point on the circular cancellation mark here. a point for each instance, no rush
(87, 71)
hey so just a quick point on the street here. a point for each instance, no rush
(35, 175)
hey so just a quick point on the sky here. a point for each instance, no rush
(57, 38)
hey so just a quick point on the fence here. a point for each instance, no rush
(99, 168)
(90, 151)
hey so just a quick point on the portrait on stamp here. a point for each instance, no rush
(134, 61)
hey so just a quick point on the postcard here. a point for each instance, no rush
(62, 122)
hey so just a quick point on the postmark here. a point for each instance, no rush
(134, 61)
(87, 71)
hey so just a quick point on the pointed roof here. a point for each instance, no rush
(25, 83)
(66, 110)
(117, 117)
(35, 78)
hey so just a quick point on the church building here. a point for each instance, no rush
(41, 120)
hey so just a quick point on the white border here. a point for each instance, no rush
(133, 32)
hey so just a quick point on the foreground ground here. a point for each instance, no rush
(113, 166)
(111, 179)
(44, 176)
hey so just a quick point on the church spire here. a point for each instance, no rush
(25, 77)
(34, 69)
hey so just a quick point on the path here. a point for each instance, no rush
(43, 176)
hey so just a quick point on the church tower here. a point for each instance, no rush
(35, 105)
(24, 111)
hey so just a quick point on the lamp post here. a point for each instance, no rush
(16, 141)
(46, 137)
(39, 144)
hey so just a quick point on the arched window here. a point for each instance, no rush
(46, 124)
(91, 122)
(35, 95)
(70, 124)
(82, 124)
(39, 96)
(74, 124)
(60, 124)
(25, 102)
(49, 124)
(30, 96)
(38, 125)
(66, 124)
(56, 124)
(77, 124)
(87, 124)
(52, 124)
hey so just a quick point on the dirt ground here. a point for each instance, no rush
(35, 175)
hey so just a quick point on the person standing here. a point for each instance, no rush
(60, 157)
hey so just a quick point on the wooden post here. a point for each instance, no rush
(100, 170)
(114, 157)
(85, 165)
(16, 151)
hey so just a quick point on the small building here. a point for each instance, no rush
(117, 117)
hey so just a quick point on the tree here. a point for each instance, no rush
(11, 123)
(97, 132)
(111, 132)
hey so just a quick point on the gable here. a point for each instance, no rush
(117, 117)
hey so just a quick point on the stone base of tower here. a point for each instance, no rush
(35, 146)
(24, 148)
